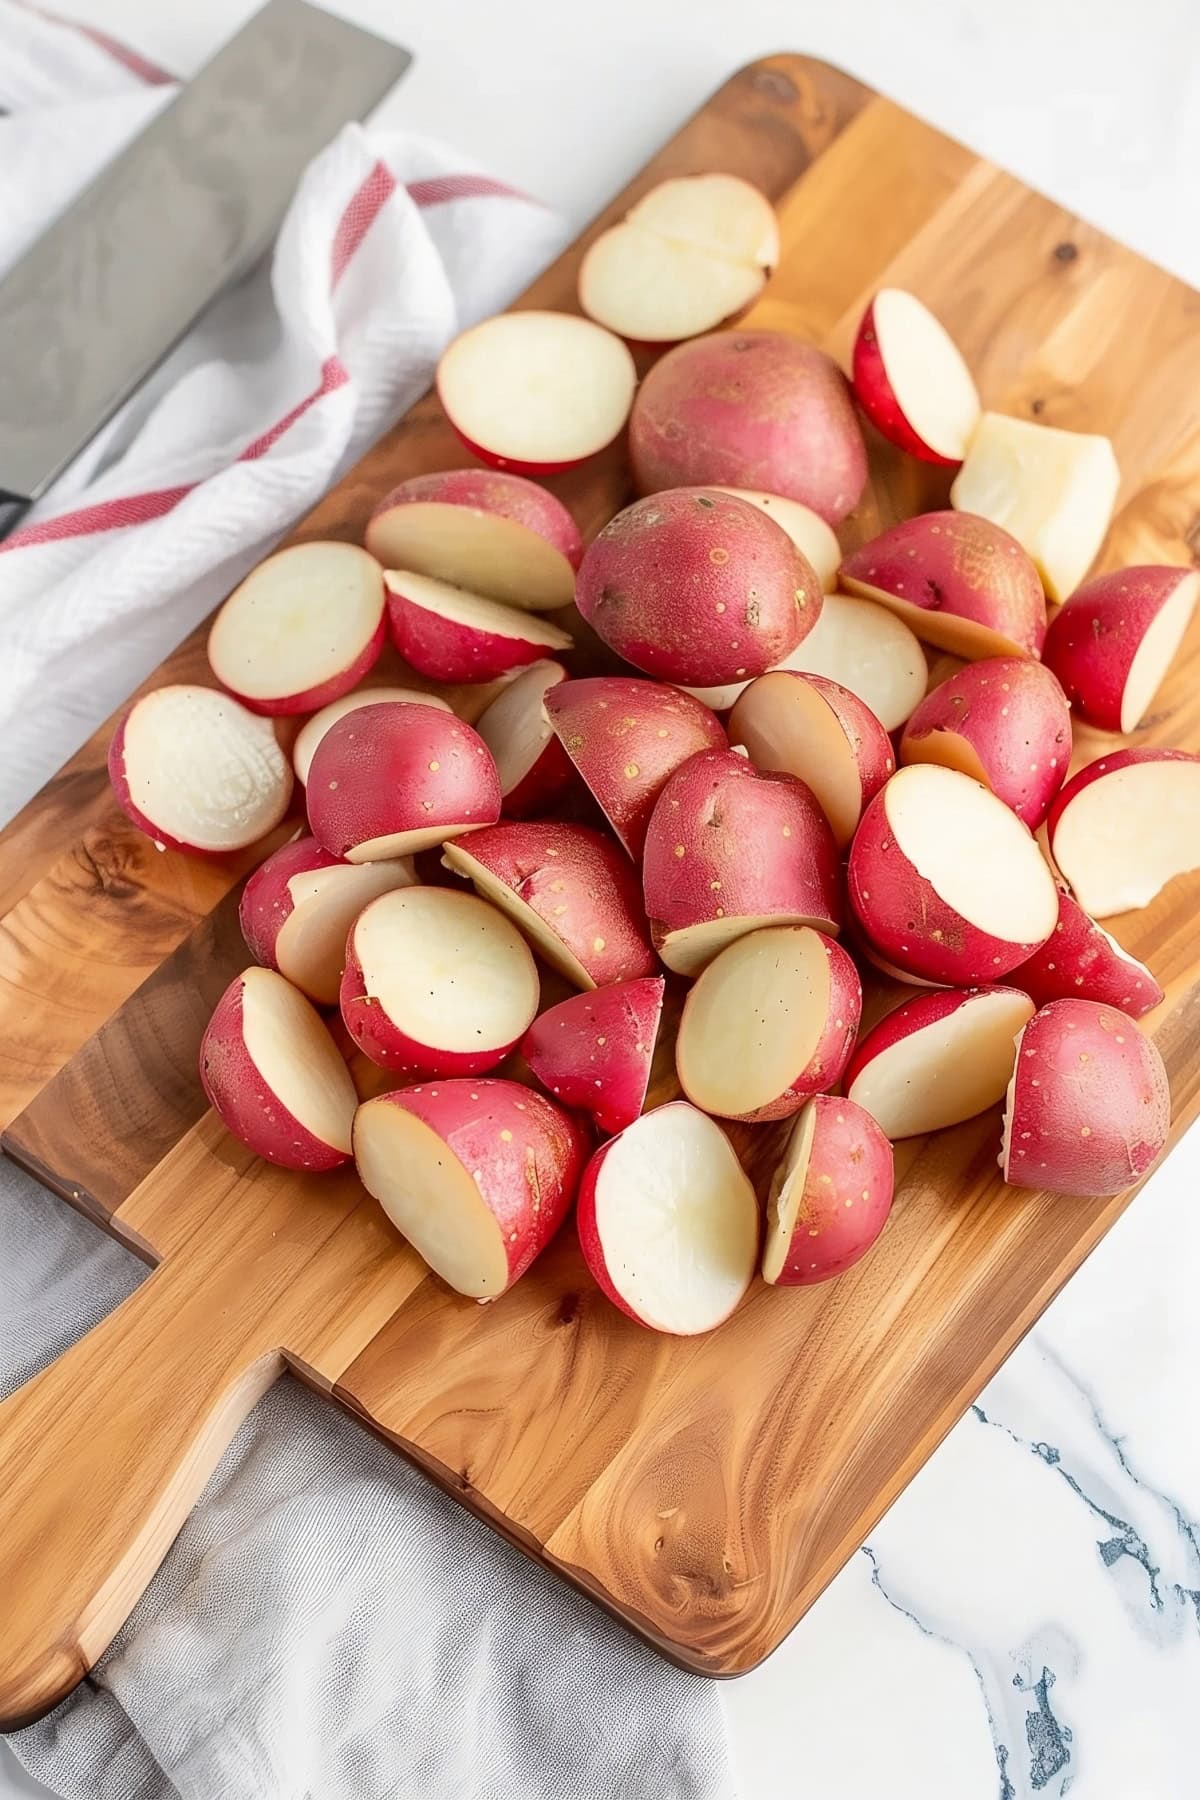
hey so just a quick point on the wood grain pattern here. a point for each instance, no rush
(703, 1490)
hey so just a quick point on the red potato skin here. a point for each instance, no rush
(750, 409)
(382, 1040)
(905, 920)
(868, 742)
(530, 1153)
(513, 465)
(874, 392)
(1092, 640)
(505, 495)
(626, 737)
(1079, 962)
(697, 586)
(913, 1016)
(1090, 1107)
(835, 1225)
(958, 564)
(1013, 714)
(446, 650)
(580, 885)
(1109, 764)
(266, 903)
(398, 767)
(542, 785)
(593, 1052)
(119, 782)
(245, 1104)
(729, 818)
(314, 698)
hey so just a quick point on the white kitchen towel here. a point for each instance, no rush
(327, 1626)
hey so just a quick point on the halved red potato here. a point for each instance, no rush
(1113, 642)
(938, 1059)
(946, 882)
(1054, 490)
(450, 635)
(303, 628)
(536, 391)
(1126, 825)
(697, 586)
(668, 1221)
(1088, 1107)
(1004, 722)
(750, 409)
(196, 772)
(869, 650)
(532, 765)
(314, 729)
(482, 529)
(823, 734)
(730, 848)
(437, 983)
(814, 539)
(769, 1022)
(830, 1195)
(274, 1076)
(694, 251)
(959, 581)
(477, 1174)
(391, 779)
(571, 891)
(626, 737)
(911, 380)
(594, 1051)
(297, 909)
(1079, 960)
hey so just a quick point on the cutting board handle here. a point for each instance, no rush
(101, 1457)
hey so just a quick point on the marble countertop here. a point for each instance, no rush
(1025, 1621)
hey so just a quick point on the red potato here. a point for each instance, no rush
(478, 1175)
(869, 650)
(770, 1021)
(693, 252)
(830, 1195)
(958, 581)
(303, 628)
(1088, 1107)
(451, 635)
(750, 409)
(196, 772)
(668, 1221)
(696, 586)
(314, 729)
(1079, 960)
(730, 849)
(533, 767)
(821, 733)
(390, 780)
(297, 909)
(594, 1051)
(571, 891)
(496, 534)
(911, 381)
(626, 737)
(1116, 637)
(436, 983)
(274, 1076)
(946, 882)
(536, 392)
(814, 539)
(1126, 825)
(938, 1059)
(1003, 721)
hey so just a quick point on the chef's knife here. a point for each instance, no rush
(113, 284)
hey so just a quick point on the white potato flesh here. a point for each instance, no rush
(311, 733)
(655, 290)
(677, 1220)
(866, 648)
(204, 770)
(693, 947)
(947, 1071)
(547, 944)
(792, 727)
(926, 372)
(474, 549)
(474, 612)
(290, 1047)
(787, 1191)
(808, 531)
(753, 1021)
(975, 853)
(1125, 835)
(541, 388)
(406, 843)
(1053, 490)
(1156, 652)
(431, 1199)
(719, 213)
(516, 727)
(310, 948)
(301, 618)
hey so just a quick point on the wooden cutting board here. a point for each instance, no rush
(704, 1490)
